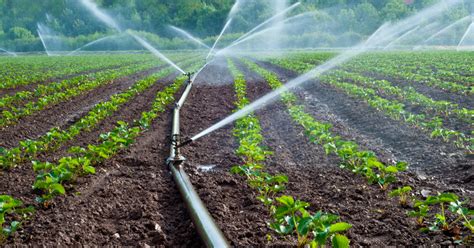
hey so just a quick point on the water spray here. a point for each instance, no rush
(8, 52)
(268, 21)
(40, 32)
(219, 37)
(384, 34)
(205, 224)
(189, 36)
(101, 15)
(155, 52)
(92, 43)
(468, 31)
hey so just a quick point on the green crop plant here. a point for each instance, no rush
(267, 186)
(315, 230)
(443, 212)
(420, 213)
(55, 137)
(12, 213)
(51, 177)
(403, 194)
(289, 216)
(443, 201)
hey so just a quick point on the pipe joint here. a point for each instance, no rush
(175, 158)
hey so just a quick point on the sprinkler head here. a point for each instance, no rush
(176, 158)
(189, 75)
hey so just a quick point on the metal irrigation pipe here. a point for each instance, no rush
(207, 228)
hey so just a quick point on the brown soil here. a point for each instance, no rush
(65, 113)
(434, 93)
(32, 86)
(426, 156)
(133, 201)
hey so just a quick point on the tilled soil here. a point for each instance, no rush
(426, 156)
(133, 201)
(434, 93)
(65, 113)
(449, 122)
(34, 85)
(111, 207)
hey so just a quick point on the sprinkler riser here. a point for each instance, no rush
(210, 233)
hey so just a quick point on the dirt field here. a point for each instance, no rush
(133, 201)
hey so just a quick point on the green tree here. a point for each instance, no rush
(368, 18)
(19, 33)
(395, 9)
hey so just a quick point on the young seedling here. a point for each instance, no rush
(315, 230)
(403, 194)
(11, 214)
(440, 217)
(448, 202)
(464, 214)
(420, 213)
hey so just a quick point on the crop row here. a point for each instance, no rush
(52, 176)
(441, 212)
(100, 78)
(55, 87)
(360, 162)
(447, 66)
(23, 71)
(289, 216)
(392, 72)
(393, 108)
(12, 213)
(55, 137)
(408, 94)
(448, 71)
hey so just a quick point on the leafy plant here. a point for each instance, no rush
(449, 212)
(420, 213)
(403, 194)
(12, 213)
(315, 230)
(290, 216)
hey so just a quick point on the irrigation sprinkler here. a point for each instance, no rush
(210, 233)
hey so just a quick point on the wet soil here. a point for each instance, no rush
(34, 85)
(426, 156)
(315, 178)
(133, 201)
(451, 122)
(422, 88)
(65, 113)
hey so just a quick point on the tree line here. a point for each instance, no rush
(203, 18)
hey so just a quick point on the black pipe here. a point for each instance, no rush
(210, 233)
